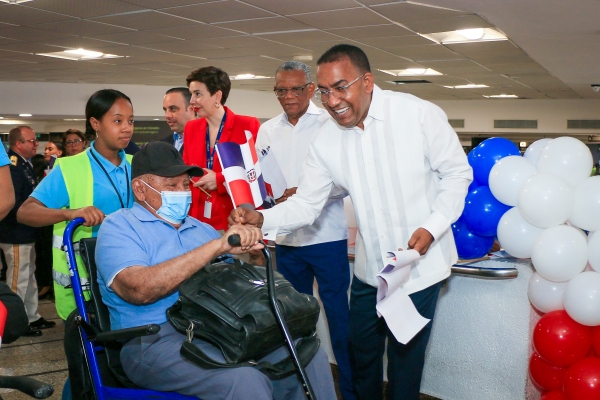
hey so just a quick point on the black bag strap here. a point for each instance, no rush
(306, 347)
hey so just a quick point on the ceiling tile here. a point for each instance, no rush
(341, 18)
(456, 67)
(271, 24)
(81, 27)
(158, 4)
(75, 42)
(425, 52)
(483, 49)
(407, 12)
(466, 21)
(304, 6)
(30, 48)
(239, 41)
(134, 37)
(145, 20)
(20, 15)
(195, 32)
(179, 46)
(395, 41)
(29, 34)
(83, 8)
(365, 32)
(301, 38)
(220, 11)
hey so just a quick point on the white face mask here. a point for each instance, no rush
(175, 205)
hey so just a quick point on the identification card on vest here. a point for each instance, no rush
(207, 209)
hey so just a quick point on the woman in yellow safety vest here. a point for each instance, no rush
(91, 185)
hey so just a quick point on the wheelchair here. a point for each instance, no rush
(92, 349)
(101, 376)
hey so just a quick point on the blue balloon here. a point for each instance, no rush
(483, 212)
(468, 244)
(483, 157)
(474, 185)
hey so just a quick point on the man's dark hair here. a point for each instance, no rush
(214, 78)
(357, 57)
(185, 92)
(98, 105)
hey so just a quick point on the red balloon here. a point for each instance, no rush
(561, 341)
(544, 375)
(555, 395)
(582, 380)
(596, 339)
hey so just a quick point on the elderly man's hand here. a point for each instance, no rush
(249, 237)
(245, 216)
(420, 241)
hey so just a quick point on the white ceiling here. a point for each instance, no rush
(553, 52)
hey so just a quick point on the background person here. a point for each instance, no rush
(91, 185)
(178, 111)
(56, 149)
(74, 142)
(17, 240)
(7, 200)
(321, 249)
(407, 175)
(210, 88)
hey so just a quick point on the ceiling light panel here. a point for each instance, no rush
(411, 72)
(472, 35)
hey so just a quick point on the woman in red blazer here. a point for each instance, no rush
(210, 87)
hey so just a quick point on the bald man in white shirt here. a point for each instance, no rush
(319, 250)
(407, 175)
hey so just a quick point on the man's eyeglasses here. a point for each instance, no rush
(296, 91)
(74, 142)
(339, 92)
(32, 141)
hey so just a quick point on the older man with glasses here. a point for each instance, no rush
(17, 240)
(320, 250)
(407, 174)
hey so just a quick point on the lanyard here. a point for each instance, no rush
(111, 181)
(210, 156)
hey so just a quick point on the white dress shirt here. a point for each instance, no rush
(289, 145)
(177, 140)
(405, 170)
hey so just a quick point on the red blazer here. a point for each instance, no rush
(194, 153)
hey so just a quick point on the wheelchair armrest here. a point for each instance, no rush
(126, 334)
(93, 335)
(29, 386)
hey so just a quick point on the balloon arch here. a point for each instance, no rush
(544, 205)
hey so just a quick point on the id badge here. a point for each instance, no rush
(207, 209)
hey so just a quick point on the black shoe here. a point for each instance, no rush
(31, 331)
(42, 324)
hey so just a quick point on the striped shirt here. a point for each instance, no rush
(405, 170)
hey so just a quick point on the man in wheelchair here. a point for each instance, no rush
(144, 253)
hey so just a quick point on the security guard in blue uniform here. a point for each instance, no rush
(17, 240)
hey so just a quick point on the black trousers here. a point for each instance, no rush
(367, 345)
(43, 260)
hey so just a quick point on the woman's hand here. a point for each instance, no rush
(208, 181)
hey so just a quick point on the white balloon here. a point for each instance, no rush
(516, 235)
(545, 295)
(559, 253)
(567, 157)
(533, 151)
(507, 177)
(594, 250)
(545, 200)
(582, 298)
(586, 204)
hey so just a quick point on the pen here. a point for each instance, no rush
(203, 191)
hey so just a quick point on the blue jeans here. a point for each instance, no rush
(367, 345)
(328, 263)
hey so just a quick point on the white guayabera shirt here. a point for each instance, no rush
(406, 170)
(289, 144)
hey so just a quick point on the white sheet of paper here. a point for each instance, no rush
(400, 314)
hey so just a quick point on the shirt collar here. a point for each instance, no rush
(144, 215)
(312, 109)
(108, 166)
(376, 107)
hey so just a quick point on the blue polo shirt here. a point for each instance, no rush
(3, 157)
(52, 191)
(135, 237)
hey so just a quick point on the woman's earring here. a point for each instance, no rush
(97, 133)
(217, 105)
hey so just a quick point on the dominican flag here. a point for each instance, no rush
(243, 176)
